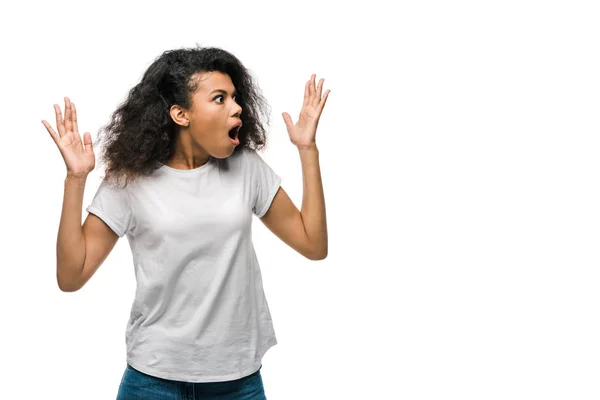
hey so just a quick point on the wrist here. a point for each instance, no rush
(307, 147)
(76, 178)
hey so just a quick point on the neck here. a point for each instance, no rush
(186, 155)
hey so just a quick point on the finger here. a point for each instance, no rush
(323, 101)
(312, 85)
(53, 134)
(59, 121)
(68, 115)
(74, 112)
(317, 98)
(87, 142)
(288, 121)
(306, 93)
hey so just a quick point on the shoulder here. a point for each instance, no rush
(246, 161)
(252, 156)
(243, 156)
(118, 187)
(104, 183)
(247, 152)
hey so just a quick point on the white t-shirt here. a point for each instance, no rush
(200, 312)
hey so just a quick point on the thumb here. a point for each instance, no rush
(87, 142)
(288, 121)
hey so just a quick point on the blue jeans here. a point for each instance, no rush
(136, 385)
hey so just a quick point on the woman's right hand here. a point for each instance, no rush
(80, 161)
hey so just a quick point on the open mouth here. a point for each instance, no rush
(233, 134)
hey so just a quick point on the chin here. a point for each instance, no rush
(224, 153)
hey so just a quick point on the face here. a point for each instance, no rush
(209, 126)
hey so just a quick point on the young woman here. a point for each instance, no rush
(184, 143)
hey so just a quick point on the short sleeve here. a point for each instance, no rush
(111, 204)
(265, 183)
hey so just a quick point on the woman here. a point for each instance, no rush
(184, 142)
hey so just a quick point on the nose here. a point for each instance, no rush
(237, 109)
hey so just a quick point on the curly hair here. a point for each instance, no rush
(140, 135)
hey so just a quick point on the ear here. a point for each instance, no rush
(179, 115)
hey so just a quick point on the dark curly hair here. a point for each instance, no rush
(141, 133)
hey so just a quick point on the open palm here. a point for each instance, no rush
(79, 157)
(303, 133)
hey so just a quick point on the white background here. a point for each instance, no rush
(459, 151)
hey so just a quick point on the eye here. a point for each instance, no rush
(219, 96)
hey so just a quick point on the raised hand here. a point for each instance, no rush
(303, 133)
(80, 160)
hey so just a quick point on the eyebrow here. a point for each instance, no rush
(223, 92)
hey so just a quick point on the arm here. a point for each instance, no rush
(80, 250)
(305, 231)
(70, 244)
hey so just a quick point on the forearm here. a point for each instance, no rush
(70, 244)
(313, 201)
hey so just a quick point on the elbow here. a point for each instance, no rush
(68, 289)
(67, 286)
(317, 254)
(319, 257)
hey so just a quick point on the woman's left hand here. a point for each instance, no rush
(303, 133)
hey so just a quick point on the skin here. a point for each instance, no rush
(304, 230)
(205, 126)
(205, 132)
